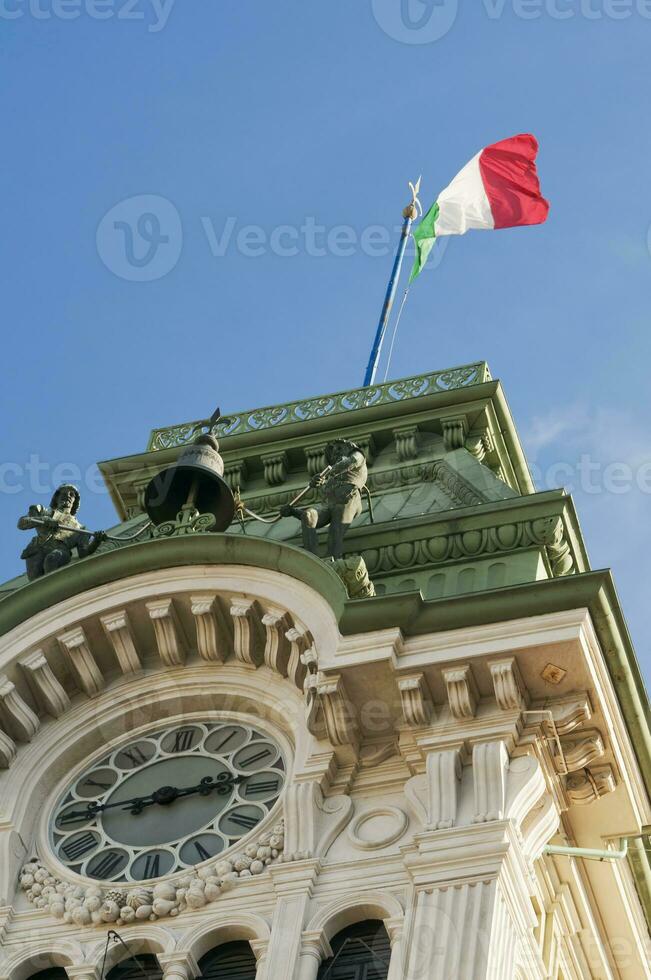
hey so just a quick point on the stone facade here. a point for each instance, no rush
(435, 745)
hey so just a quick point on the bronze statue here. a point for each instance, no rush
(57, 532)
(341, 486)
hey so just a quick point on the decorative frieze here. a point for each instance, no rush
(248, 631)
(214, 632)
(48, 692)
(118, 630)
(170, 639)
(16, 716)
(87, 674)
(415, 699)
(275, 468)
(462, 691)
(508, 684)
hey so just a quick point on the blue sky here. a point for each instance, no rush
(314, 116)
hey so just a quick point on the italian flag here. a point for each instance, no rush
(499, 188)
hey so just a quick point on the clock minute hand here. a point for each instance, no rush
(168, 794)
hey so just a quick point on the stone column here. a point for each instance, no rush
(178, 966)
(314, 949)
(293, 884)
(259, 947)
(84, 972)
(395, 929)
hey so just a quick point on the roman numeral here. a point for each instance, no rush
(136, 756)
(105, 868)
(262, 786)
(201, 851)
(255, 758)
(183, 740)
(78, 846)
(95, 782)
(77, 816)
(242, 820)
(152, 866)
(225, 742)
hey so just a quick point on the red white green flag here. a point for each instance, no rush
(499, 188)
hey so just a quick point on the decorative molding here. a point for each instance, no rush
(170, 639)
(415, 699)
(580, 750)
(443, 780)
(277, 647)
(275, 468)
(7, 750)
(276, 416)
(312, 821)
(338, 711)
(398, 817)
(406, 442)
(236, 473)
(300, 647)
(47, 690)
(117, 628)
(489, 766)
(315, 458)
(508, 684)
(462, 691)
(212, 631)
(87, 674)
(454, 430)
(568, 713)
(178, 965)
(135, 903)
(590, 785)
(18, 719)
(249, 633)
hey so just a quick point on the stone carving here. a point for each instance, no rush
(248, 636)
(454, 433)
(7, 750)
(508, 684)
(210, 628)
(169, 634)
(58, 533)
(18, 719)
(406, 441)
(590, 785)
(338, 711)
(346, 401)
(84, 668)
(340, 488)
(462, 691)
(312, 821)
(489, 765)
(443, 778)
(568, 713)
(275, 468)
(353, 573)
(393, 823)
(580, 750)
(550, 531)
(46, 688)
(416, 700)
(236, 473)
(118, 630)
(96, 904)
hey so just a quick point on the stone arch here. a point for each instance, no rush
(225, 928)
(350, 909)
(141, 939)
(41, 956)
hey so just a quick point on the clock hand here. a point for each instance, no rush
(168, 794)
(93, 808)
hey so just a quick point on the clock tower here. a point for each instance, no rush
(339, 696)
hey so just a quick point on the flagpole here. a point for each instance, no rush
(409, 215)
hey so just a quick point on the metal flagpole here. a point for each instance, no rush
(409, 214)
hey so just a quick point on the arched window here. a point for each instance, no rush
(136, 968)
(230, 961)
(52, 973)
(361, 952)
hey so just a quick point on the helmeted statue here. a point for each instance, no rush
(341, 494)
(58, 532)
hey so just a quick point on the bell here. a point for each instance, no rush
(195, 482)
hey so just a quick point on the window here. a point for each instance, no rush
(231, 961)
(361, 952)
(136, 968)
(52, 973)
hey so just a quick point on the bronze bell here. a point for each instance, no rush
(195, 482)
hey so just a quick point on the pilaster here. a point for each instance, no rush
(293, 885)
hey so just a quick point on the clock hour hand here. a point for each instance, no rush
(223, 784)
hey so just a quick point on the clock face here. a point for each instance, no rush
(167, 800)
